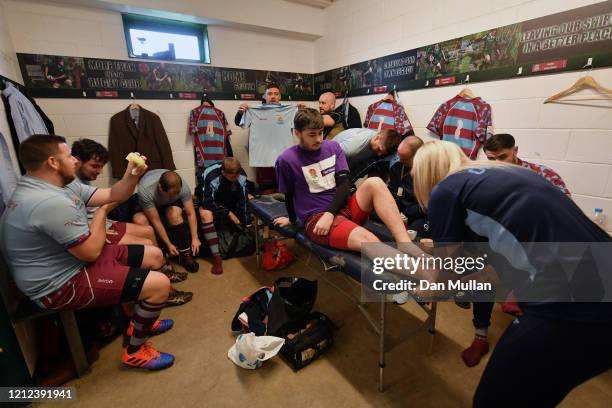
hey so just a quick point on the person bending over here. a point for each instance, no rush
(401, 186)
(556, 344)
(164, 196)
(224, 199)
(62, 263)
(314, 177)
(361, 146)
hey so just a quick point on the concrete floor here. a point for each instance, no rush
(347, 376)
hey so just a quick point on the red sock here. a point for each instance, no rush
(471, 356)
(217, 266)
(511, 306)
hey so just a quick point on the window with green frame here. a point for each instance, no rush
(163, 39)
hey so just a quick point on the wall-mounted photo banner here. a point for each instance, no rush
(75, 77)
(569, 41)
(573, 40)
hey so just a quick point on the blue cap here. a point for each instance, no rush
(599, 210)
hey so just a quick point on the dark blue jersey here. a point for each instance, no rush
(511, 208)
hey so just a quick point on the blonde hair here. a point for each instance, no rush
(435, 161)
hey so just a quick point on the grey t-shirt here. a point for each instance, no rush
(355, 144)
(149, 195)
(41, 222)
(77, 186)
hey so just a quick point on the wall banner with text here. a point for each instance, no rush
(569, 41)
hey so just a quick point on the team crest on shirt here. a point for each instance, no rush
(314, 177)
(279, 119)
(320, 176)
(78, 203)
(75, 222)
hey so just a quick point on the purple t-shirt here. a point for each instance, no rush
(310, 176)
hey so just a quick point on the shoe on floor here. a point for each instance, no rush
(187, 262)
(167, 267)
(217, 265)
(178, 298)
(147, 357)
(471, 356)
(159, 327)
(176, 276)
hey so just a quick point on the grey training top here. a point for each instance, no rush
(41, 222)
(149, 195)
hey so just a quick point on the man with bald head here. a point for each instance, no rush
(164, 197)
(401, 188)
(332, 119)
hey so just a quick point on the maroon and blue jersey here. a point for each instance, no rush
(386, 114)
(463, 121)
(211, 135)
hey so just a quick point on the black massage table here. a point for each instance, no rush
(265, 209)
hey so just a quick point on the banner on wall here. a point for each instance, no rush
(62, 76)
(583, 31)
(568, 41)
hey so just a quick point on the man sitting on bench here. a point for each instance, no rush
(62, 263)
(164, 193)
(91, 158)
(226, 193)
(314, 177)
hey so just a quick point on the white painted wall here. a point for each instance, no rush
(56, 29)
(575, 140)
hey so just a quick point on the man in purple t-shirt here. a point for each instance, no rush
(314, 176)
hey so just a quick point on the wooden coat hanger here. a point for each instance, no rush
(582, 83)
(133, 105)
(467, 93)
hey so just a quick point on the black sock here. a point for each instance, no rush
(179, 234)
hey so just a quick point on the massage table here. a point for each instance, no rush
(265, 209)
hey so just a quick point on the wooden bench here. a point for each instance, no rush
(27, 310)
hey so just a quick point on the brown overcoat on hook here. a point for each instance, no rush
(148, 138)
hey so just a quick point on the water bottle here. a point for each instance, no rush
(599, 218)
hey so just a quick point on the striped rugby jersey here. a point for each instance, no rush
(546, 172)
(463, 121)
(209, 128)
(386, 114)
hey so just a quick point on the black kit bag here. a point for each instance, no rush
(306, 340)
(235, 241)
(264, 315)
(307, 334)
(299, 295)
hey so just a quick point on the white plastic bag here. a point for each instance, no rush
(250, 350)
